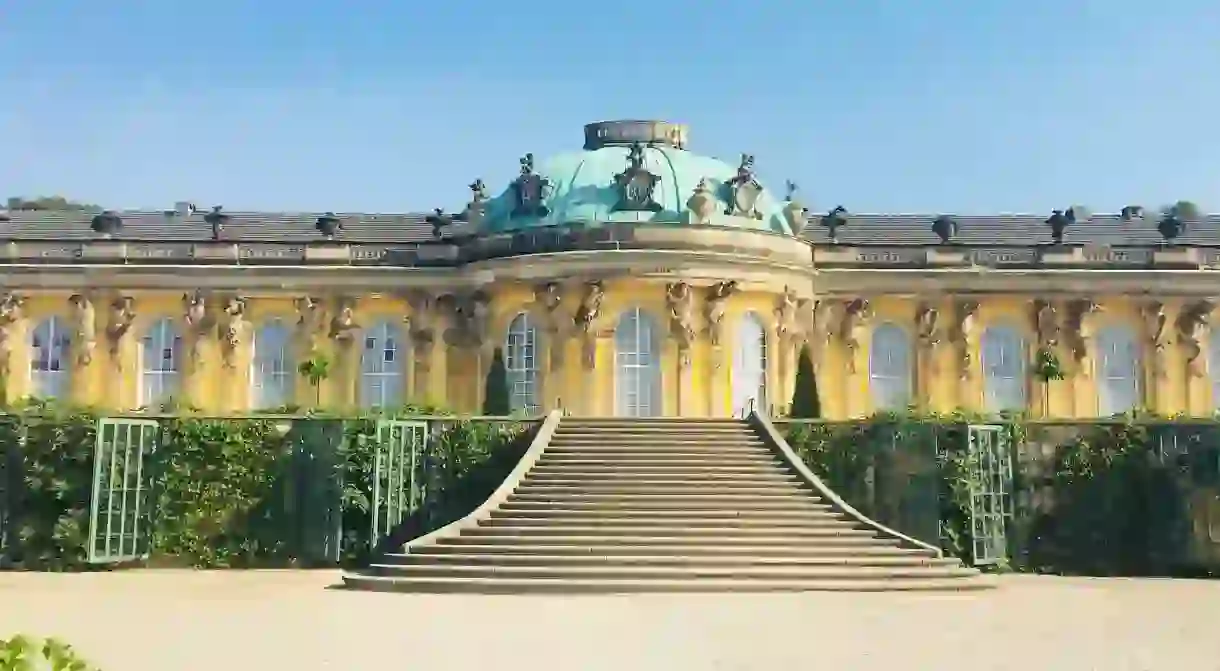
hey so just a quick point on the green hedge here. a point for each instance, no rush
(23, 653)
(1106, 498)
(235, 492)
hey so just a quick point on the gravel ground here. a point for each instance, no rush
(279, 620)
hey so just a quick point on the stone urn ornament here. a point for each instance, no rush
(795, 213)
(945, 228)
(833, 220)
(702, 203)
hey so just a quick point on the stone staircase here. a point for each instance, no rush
(668, 505)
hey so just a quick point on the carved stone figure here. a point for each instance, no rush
(1193, 324)
(231, 328)
(965, 320)
(927, 327)
(1046, 324)
(84, 318)
(196, 311)
(311, 315)
(702, 203)
(477, 207)
(786, 316)
(122, 316)
(529, 191)
(1155, 321)
(343, 325)
(11, 311)
(586, 316)
(680, 300)
(636, 184)
(744, 191)
(821, 329)
(1079, 331)
(549, 297)
(856, 314)
(714, 306)
(421, 326)
(795, 213)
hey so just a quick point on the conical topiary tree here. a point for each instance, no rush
(805, 403)
(495, 391)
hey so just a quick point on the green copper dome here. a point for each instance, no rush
(635, 171)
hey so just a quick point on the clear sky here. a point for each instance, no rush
(378, 105)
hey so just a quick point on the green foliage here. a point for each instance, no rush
(315, 370)
(240, 492)
(495, 392)
(22, 653)
(805, 401)
(1046, 365)
(1110, 501)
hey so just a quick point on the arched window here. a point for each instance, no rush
(1118, 370)
(750, 366)
(1003, 361)
(637, 369)
(160, 363)
(272, 370)
(381, 367)
(1213, 367)
(521, 363)
(52, 349)
(889, 368)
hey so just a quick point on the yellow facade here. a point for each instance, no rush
(576, 367)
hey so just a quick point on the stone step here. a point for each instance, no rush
(811, 572)
(659, 446)
(610, 530)
(839, 547)
(505, 585)
(610, 470)
(839, 558)
(781, 489)
(618, 504)
(688, 522)
(645, 539)
(721, 499)
(629, 459)
(598, 515)
(663, 438)
(577, 480)
(649, 422)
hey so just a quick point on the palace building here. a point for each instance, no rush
(634, 277)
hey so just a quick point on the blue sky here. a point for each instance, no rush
(880, 105)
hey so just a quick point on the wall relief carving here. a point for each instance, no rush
(421, 326)
(1046, 324)
(343, 327)
(231, 329)
(965, 323)
(852, 328)
(12, 310)
(311, 316)
(714, 305)
(84, 320)
(680, 300)
(586, 318)
(1079, 332)
(1194, 323)
(549, 297)
(1155, 319)
(118, 325)
(198, 321)
(787, 317)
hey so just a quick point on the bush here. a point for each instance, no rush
(495, 394)
(805, 401)
(22, 653)
(237, 492)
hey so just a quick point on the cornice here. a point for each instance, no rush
(1039, 282)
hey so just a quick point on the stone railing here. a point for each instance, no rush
(1041, 256)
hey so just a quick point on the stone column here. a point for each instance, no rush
(1155, 320)
(965, 342)
(311, 320)
(1047, 328)
(12, 318)
(680, 301)
(84, 344)
(788, 334)
(235, 352)
(928, 337)
(197, 321)
(343, 333)
(1194, 328)
(557, 330)
(853, 329)
(715, 305)
(1079, 336)
(590, 331)
(121, 317)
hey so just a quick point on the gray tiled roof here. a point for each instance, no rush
(1010, 230)
(862, 229)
